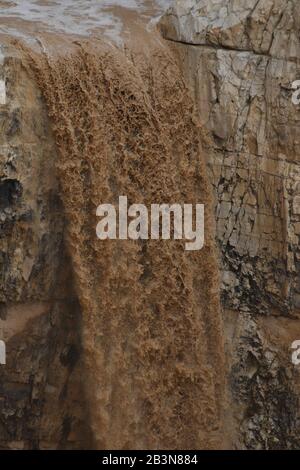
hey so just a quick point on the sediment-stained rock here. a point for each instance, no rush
(41, 398)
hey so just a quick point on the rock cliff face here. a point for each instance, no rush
(240, 60)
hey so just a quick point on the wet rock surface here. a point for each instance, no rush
(41, 398)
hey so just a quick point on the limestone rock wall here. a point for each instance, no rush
(240, 60)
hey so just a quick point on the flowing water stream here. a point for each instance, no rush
(124, 124)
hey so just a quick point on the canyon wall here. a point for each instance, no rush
(240, 60)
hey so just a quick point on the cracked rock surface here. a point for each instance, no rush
(267, 27)
(240, 59)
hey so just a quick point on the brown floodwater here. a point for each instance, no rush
(124, 124)
(110, 18)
